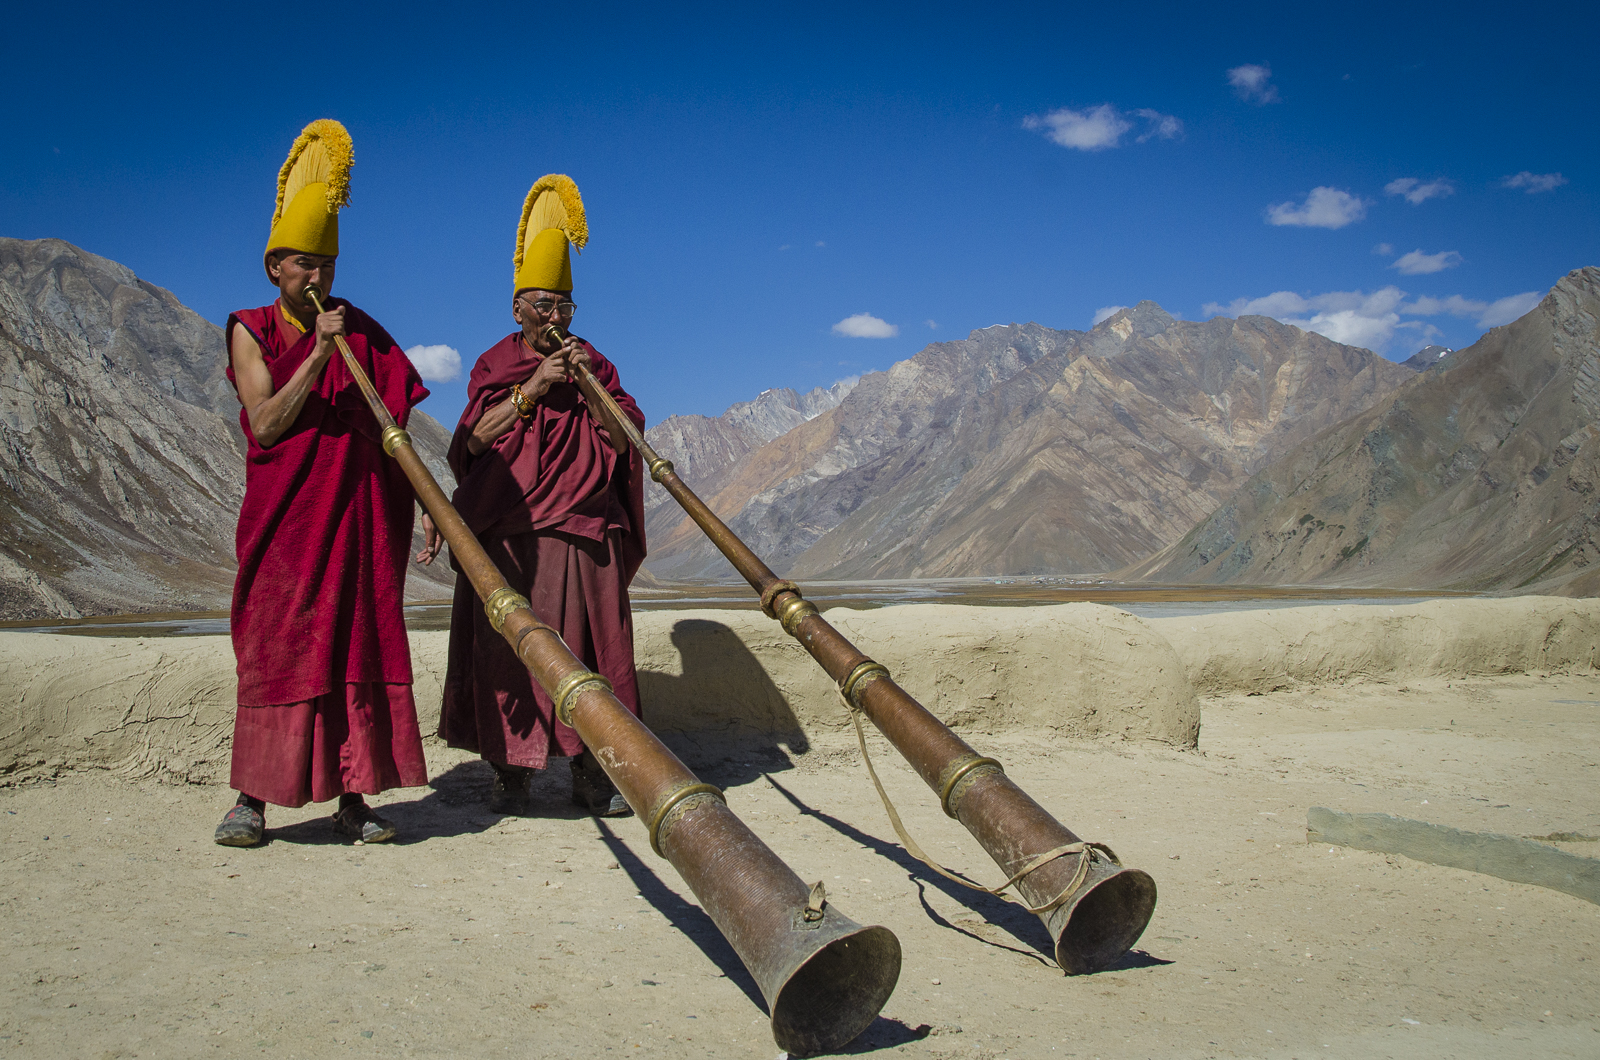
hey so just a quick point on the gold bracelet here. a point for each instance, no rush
(520, 400)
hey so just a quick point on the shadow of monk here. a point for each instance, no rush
(721, 713)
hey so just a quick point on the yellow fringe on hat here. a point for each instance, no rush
(541, 260)
(312, 185)
(322, 154)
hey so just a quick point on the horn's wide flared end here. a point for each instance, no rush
(836, 993)
(1106, 919)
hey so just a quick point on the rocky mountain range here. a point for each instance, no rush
(1481, 473)
(1147, 448)
(121, 457)
(703, 448)
(1023, 449)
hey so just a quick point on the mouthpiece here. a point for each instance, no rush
(312, 294)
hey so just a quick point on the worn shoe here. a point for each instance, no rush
(242, 827)
(509, 793)
(359, 823)
(593, 790)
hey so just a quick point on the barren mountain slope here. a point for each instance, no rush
(1068, 452)
(882, 412)
(1483, 472)
(120, 452)
(702, 448)
(1103, 451)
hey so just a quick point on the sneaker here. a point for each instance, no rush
(242, 827)
(593, 791)
(359, 823)
(509, 793)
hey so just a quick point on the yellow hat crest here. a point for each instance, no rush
(552, 216)
(312, 185)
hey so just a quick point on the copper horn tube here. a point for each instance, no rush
(1094, 924)
(824, 977)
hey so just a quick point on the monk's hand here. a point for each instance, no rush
(576, 355)
(432, 541)
(329, 325)
(555, 368)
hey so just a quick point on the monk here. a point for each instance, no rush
(551, 488)
(325, 708)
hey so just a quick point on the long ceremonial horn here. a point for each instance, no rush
(1093, 907)
(825, 977)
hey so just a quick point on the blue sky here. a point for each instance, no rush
(797, 194)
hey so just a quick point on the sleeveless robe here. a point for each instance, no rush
(325, 704)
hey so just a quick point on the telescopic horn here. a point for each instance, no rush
(825, 977)
(1094, 908)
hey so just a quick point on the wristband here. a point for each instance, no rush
(521, 401)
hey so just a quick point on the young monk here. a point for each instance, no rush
(325, 708)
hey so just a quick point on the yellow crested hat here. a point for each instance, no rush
(552, 216)
(312, 185)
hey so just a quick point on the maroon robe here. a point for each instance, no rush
(324, 537)
(562, 514)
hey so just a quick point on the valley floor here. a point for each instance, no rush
(129, 934)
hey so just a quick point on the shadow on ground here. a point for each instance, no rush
(685, 916)
(722, 715)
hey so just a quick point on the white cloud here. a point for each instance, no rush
(1416, 192)
(1383, 249)
(1375, 320)
(1417, 263)
(438, 364)
(1534, 183)
(1105, 312)
(1094, 129)
(1097, 128)
(933, 325)
(865, 326)
(1162, 126)
(1323, 208)
(1487, 314)
(1253, 82)
(1351, 317)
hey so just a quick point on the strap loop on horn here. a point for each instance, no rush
(1087, 851)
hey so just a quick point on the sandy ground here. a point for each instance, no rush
(128, 933)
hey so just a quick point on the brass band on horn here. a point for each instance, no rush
(1095, 909)
(824, 982)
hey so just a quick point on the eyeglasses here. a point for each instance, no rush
(545, 307)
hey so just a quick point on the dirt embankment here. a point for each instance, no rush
(164, 706)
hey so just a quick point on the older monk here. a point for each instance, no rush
(554, 493)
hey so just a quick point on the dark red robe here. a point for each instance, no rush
(324, 537)
(562, 514)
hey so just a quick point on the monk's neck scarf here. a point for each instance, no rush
(284, 312)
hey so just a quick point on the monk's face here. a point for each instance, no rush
(294, 271)
(535, 323)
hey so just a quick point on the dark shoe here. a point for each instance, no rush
(593, 790)
(509, 792)
(242, 827)
(359, 823)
